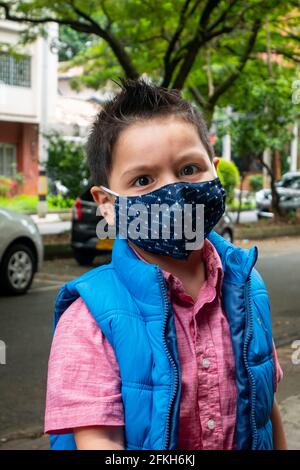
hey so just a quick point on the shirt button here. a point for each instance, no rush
(206, 363)
(211, 424)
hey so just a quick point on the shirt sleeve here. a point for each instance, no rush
(278, 369)
(83, 383)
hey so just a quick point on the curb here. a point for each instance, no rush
(64, 250)
(263, 233)
(55, 250)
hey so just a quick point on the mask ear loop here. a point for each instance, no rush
(214, 170)
(109, 191)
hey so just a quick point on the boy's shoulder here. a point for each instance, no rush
(94, 284)
(98, 272)
(258, 281)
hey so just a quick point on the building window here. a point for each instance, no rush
(16, 72)
(8, 160)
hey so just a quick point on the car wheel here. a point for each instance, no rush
(84, 257)
(17, 269)
(227, 234)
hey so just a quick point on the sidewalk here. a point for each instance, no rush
(288, 397)
(51, 224)
(26, 443)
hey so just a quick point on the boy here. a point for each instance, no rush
(165, 347)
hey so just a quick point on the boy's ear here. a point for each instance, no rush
(216, 162)
(105, 203)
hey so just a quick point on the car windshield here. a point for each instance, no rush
(291, 182)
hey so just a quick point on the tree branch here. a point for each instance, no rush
(110, 20)
(79, 26)
(198, 97)
(207, 11)
(223, 15)
(287, 54)
(219, 90)
(169, 67)
(91, 27)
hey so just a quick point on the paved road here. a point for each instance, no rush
(25, 326)
(279, 264)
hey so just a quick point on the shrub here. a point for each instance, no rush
(8, 186)
(59, 201)
(256, 182)
(229, 176)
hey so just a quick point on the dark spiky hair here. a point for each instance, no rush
(138, 100)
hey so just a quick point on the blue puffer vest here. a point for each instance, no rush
(129, 301)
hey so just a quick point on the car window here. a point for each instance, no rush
(295, 184)
(289, 182)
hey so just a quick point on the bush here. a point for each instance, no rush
(67, 164)
(229, 176)
(60, 202)
(256, 182)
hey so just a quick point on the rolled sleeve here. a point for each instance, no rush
(277, 367)
(83, 383)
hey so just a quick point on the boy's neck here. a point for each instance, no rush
(184, 269)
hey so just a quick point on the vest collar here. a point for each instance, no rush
(237, 262)
(140, 277)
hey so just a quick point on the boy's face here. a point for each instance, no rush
(150, 154)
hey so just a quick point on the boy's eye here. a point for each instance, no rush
(142, 181)
(188, 170)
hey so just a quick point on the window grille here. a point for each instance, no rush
(14, 71)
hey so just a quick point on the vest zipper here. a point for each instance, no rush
(246, 343)
(176, 378)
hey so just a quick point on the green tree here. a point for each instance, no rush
(201, 46)
(71, 43)
(267, 115)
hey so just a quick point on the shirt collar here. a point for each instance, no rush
(214, 269)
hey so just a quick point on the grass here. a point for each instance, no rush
(246, 206)
(19, 203)
(25, 203)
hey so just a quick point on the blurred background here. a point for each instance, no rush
(238, 61)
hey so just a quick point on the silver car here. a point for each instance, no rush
(288, 189)
(21, 252)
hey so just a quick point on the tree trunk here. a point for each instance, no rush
(274, 176)
(240, 198)
(275, 198)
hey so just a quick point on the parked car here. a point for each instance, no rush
(21, 252)
(84, 241)
(55, 187)
(288, 189)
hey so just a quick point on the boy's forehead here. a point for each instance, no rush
(171, 135)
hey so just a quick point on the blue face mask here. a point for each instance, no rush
(171, 219)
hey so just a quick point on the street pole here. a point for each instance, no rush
(42, 180)
(266, 176)
(294, 148)
(226, 141)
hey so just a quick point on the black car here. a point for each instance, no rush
(85, 243)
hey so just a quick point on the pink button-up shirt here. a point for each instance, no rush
(84, 385)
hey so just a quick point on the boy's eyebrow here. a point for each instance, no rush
(190, 154)
(137, 169)
(180, 159)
